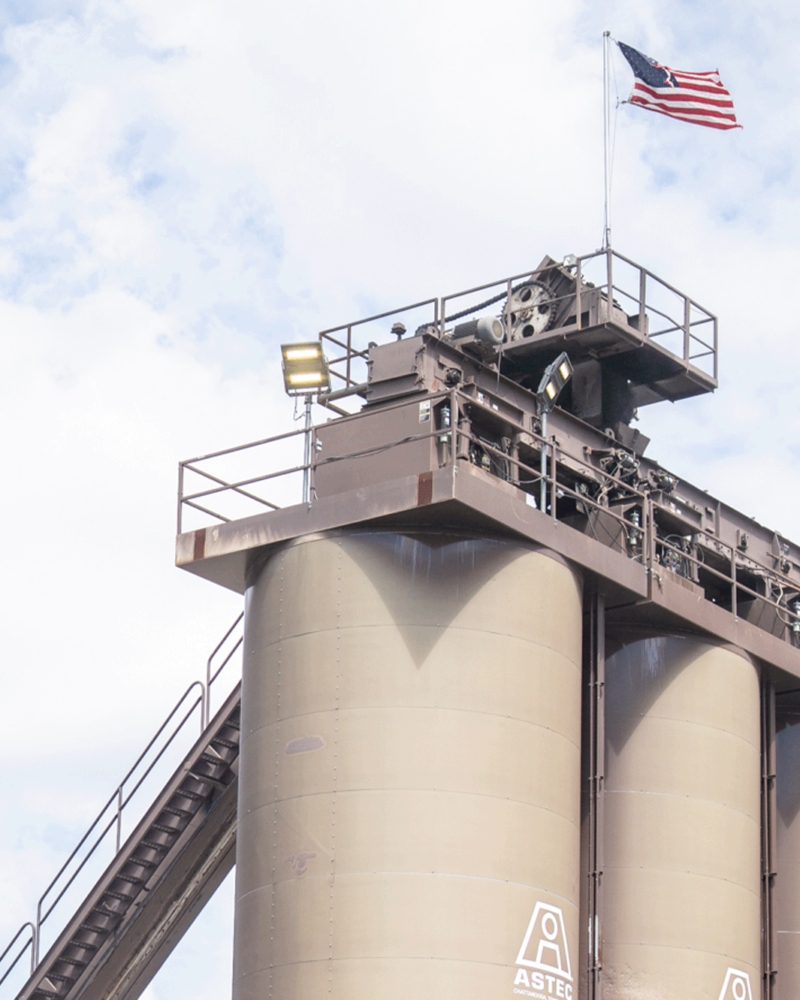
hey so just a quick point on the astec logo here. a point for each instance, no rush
(543, 966)
(736, 986)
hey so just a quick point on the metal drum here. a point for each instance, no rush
(410, 769)
(681, 901)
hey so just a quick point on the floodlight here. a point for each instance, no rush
(305, 373)
(554, 379)
(305, 370)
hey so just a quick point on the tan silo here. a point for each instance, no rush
(787, 896)
(681, 901)
(409, 785)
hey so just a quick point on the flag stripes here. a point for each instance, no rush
(697, 98)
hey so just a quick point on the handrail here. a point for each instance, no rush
(650, 286)
(654, 299)
(211, 677)
(110, 817)
(31, 943)
(120, 800)
(648, 507)
(222, 487)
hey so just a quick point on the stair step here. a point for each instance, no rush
(194, 796)
(177, 811)
(130, 879)
(214, 772)
(216, 782)
(150, 863)
(132, 868)
(112, 909)
(153, 844)
(178, 814)
(76, 942)
(117, 895)
(102, 923)
(166, 829)
(53, 986)
(230, 744)
(62, 959)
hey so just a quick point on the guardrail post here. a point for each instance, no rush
(453, 425)
(307, 447)
(648, 542)
(207, 698)
(36, 933)
(687, 319)
(642, 301)
(180, 495)
(716, 371)
(543, 465)
(119, 817)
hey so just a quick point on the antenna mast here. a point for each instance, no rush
(606, 162)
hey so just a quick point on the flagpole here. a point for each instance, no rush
(606, 163)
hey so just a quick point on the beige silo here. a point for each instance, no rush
(787, 902)
(681, 903)
(409, 786)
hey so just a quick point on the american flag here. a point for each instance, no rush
(699, 98)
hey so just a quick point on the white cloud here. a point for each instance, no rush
(188, 184)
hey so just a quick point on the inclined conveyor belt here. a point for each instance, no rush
(159, 881)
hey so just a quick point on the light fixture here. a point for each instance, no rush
(553, 381)
(305, 370)
(555, 377)
(305, 373)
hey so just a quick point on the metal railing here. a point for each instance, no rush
(219, 485)
(195, 703)
(342, 366)
(707, 561)
(662, 314)
(30, 943)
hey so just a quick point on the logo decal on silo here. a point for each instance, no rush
(736, 986)
(545, 952)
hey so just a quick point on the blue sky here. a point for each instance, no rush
(184, 186)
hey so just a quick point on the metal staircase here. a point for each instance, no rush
(180, 850)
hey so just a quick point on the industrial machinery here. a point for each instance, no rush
(519, 708)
